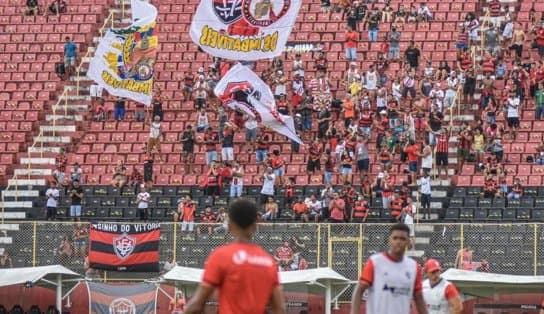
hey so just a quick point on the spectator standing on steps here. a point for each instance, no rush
(155, 134)
(70, 55)
(142, 201)
(52, 195)
(119, 109)
(352, 37)
(76, 193)
(425, 194)
(267, 189)
(394, 49)
(227, 147)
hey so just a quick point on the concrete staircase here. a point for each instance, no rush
(62, 128)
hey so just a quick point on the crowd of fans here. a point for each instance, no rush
(378, 133)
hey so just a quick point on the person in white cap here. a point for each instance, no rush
(441, 296)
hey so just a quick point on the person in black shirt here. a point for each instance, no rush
(188, 143)
(411, 55)
(148, 170)
(119, 109)
(32, 7)
(323, 118)
(373, 21)
(76, 193)
(157, 105)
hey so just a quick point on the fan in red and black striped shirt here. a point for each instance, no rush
(442, 146)
(490, 187)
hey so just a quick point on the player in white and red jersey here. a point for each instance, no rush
(392, 279)
(440, 295)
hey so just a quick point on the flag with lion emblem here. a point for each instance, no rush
(124, 59)
(244, 29)
(124, 247)
(122, 299)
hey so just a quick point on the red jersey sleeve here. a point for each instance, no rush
(213, 270)
(451, 292)
(368, 273)
(418, 286)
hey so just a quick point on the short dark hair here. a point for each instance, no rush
(243, 213)
(399, 227)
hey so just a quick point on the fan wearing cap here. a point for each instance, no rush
(440, 295)
(391, 279)
(231, 270)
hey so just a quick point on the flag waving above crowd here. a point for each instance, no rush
(244, 29)
(124, 59)
(242, 89)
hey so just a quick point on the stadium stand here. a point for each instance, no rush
(42, 114)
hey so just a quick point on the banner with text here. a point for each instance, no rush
(124, 247)
(124, 59)
(244, 29)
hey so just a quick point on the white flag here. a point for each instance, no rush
(242, 89)
(124, 59)
(244, 29)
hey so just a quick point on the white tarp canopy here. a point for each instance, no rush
(317, 280)
(51, 276)
(487, 284)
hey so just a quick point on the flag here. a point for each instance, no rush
(124, 59)
(242, 89)
(124, 247)
(122, 299)
(244, 29)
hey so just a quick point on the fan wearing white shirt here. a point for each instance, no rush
(142, 200)
(52, 195)
(512, 114)
(452, 82)
(408, 213)
(314, 206)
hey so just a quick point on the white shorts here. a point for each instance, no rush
(412, 230)
(96, 91)
(227, 153)
(187, 226)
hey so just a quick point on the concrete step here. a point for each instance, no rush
(9, 227)
(52, 139)
(51, 117)
(433, 193)
(38, 161)
(424, 228)
(20, 193)
(58, 128)
(436, 205)
(33, 172)
(463, 117)
(420, 217)
(75, 97)
(31, 182)
(6, 240)
(60, 108)
(13, 204)
(415, 253)
(44, 150)
(423, 240)
(82, 78)
(74, 87)
(13, 215)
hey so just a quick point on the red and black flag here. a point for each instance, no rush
(122, 299)
(124, 247)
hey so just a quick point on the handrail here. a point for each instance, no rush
(3, 198)
(109, 18)
(28, 163)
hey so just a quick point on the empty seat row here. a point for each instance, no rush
(483, 214)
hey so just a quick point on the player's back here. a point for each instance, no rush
(245, 276)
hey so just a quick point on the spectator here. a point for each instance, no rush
(148, 169)
(136, 179)
(202, 120)
(207, 219)
(60, 167)
(490, 187)
(270, 209)
(76, 193)
(412, 149)
(156, 103)
(119, 109)
(407, 217)
(512, 114)
(492, 40)
(187, 85)
(267, 189)
(337, 209)
(411, 56)
(52, 195)
(212, 180)
(142, 201)
(227, 145)
(425, 194)
(32, 7)
(210, 140)
(352, 37)
(251, 127)
(100, 111)
(395, 205)
(424, 13)
(452, 83)
(463, 260)
(360, 210)
(408, 85)
(484, 268)
(387, 13)
(187, 215)
(472, 25)
(347, 171)
(314, 158)
(70, 55)
(362, 155)
(237, 184)
(284, 256)
(314, 208)
(5, 260)
(462, 42)
(518, 40)
(56, 7)
(539, 39)
(330, 163)
(155, 134)
(278, 164)
(80, 241)
(442, 147)
(373, 21)
(188, 147)
(400, 17)
(412, 15)
(469, 88)
(65, 250)
(387, 187)
(464, 144)
(119, 178)
(222, 118)
(539, 101)
(177, 304)
(200, 93)
(517, 190)
(263, 142)
(300, 210)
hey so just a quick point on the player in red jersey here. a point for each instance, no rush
(233, 270)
